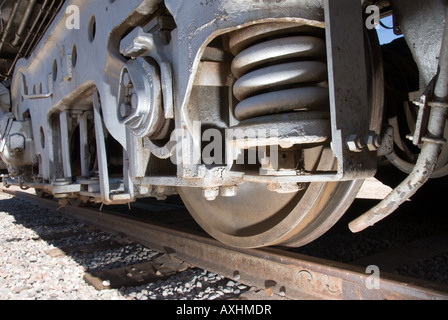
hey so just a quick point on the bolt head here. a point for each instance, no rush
(125, 110)
(127, 80)
(229, 191)
(210, 194)
(134, 101)
(144, 189)
(355, 143)
(373, 142)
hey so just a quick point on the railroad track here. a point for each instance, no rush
(273, 272)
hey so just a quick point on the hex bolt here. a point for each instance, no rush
(373, 141)
(229, 191)
(134, 101)
(144, 189)
(355, 143)
(125, 110)
(127, 80)
(210, 194)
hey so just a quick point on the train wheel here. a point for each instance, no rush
(257, 217)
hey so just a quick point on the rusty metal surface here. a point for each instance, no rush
(292, 275)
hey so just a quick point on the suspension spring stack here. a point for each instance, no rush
(281, 82)
(279, 69)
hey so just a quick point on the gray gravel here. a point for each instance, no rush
(27, 272)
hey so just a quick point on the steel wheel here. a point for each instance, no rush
(257, 217)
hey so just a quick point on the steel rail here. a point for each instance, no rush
(277, 271)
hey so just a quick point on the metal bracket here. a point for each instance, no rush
(421, 123)
(348, 86)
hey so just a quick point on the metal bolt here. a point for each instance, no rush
(160, 192)
(134, 101)
(125, 110)
(210, 193)
(355, 143)
(229, 191)
(144, 189)
(373, 142)
(127, 80)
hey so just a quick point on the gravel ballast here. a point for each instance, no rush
(28, 272)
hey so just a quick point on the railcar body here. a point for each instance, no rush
(264, 116)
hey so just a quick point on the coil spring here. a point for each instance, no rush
(280, 67)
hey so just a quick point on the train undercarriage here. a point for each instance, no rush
(264, 116)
